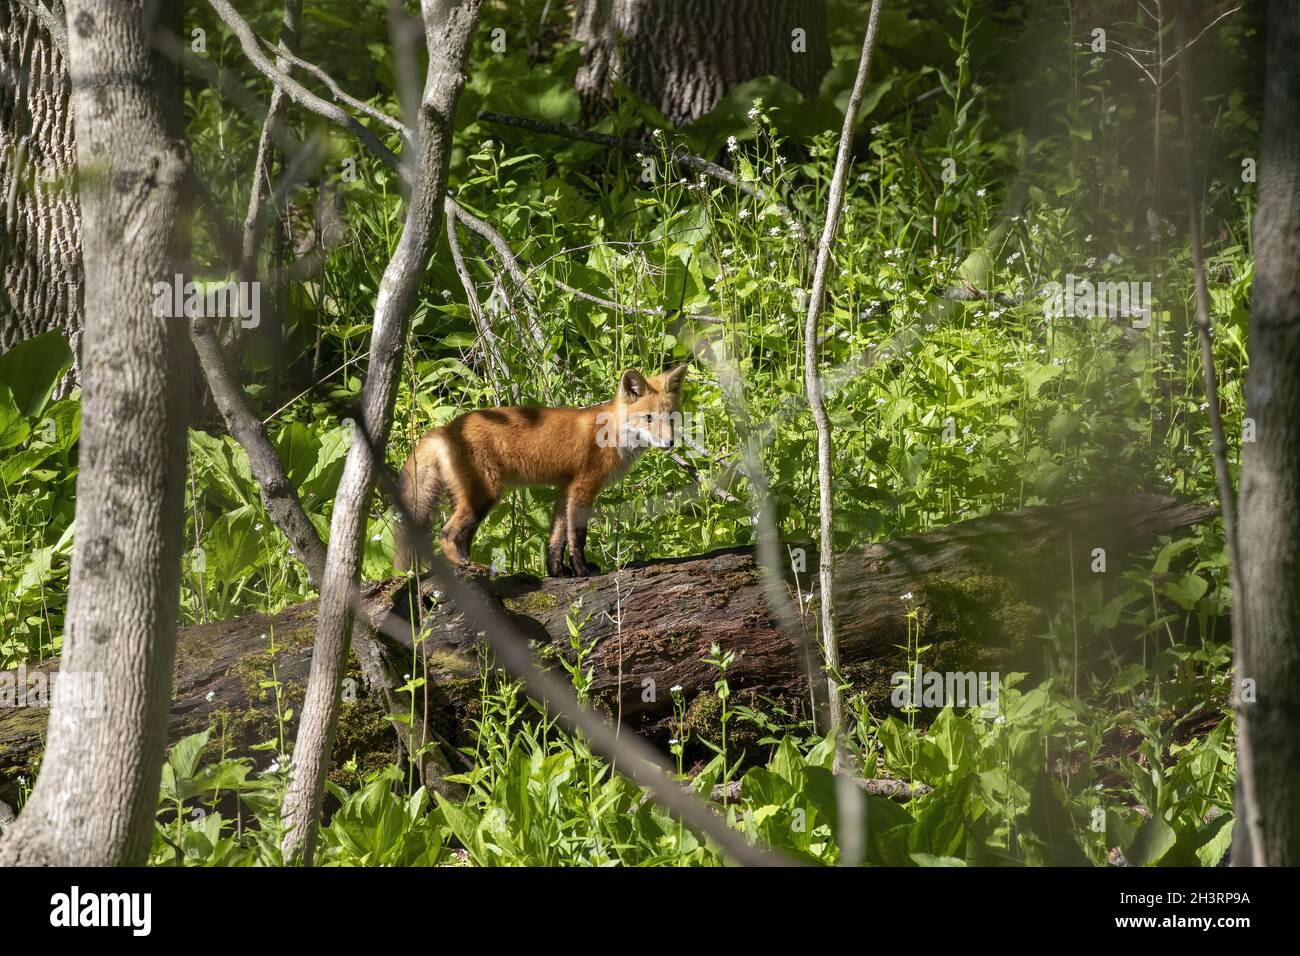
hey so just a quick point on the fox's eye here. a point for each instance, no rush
(649, 418)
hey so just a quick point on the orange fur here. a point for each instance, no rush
(477, 457)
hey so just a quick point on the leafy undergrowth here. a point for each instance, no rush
(547, 801)
(1138, 771)
(943, 408)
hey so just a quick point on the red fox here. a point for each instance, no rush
(478, 456)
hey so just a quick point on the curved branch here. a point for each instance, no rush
(279, 496)
(338, 92)
(251, 45)
(508, 259)
(500, 372)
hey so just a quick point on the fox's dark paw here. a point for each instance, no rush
(587, 570)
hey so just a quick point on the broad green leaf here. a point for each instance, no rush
(14, 428)
(298, 448)
(32, 368)
(1154, 839)
(1218, 837)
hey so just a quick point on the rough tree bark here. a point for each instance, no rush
(1269, 524)
(683, 56)
(979, 584)
(448, 29)
(40, 221)
(95, 799)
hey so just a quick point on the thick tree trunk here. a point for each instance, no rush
(1269, 652)
(96, 797)
(40, 221)
(980, 586)
(683, 56)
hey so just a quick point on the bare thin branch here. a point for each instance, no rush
(254, 218)
(1192, 42)
(498, 371)
(508, 260)
(285, 59)
(279, 496)
(252, 48)
(816, 402)
(1223, 477)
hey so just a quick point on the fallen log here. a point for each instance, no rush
(981, 591)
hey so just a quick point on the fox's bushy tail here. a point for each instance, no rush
(422, 486)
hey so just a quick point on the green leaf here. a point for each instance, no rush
(1218, 837)
(20, 463)
(31, 369)
(223, 469)
(226, 775)
(36, 570)
(787, 762)
(184, 755)
(320, 483)
(1171, 551)
(299, 449)
(941, 824)
(1036, 375)
(930, 859)
(956, 740)
(1185, 592)
(233, 543)
(63, 421)
(762, 787)
(14, 428)
(1154, 839)
(182, 761)
(977, 267)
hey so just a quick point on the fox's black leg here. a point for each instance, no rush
(579, 515)
(559, 535)
(581, 566)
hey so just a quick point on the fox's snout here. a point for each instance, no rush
(656, 429)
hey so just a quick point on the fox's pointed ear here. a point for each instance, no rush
(673, 380)
(633, 384)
